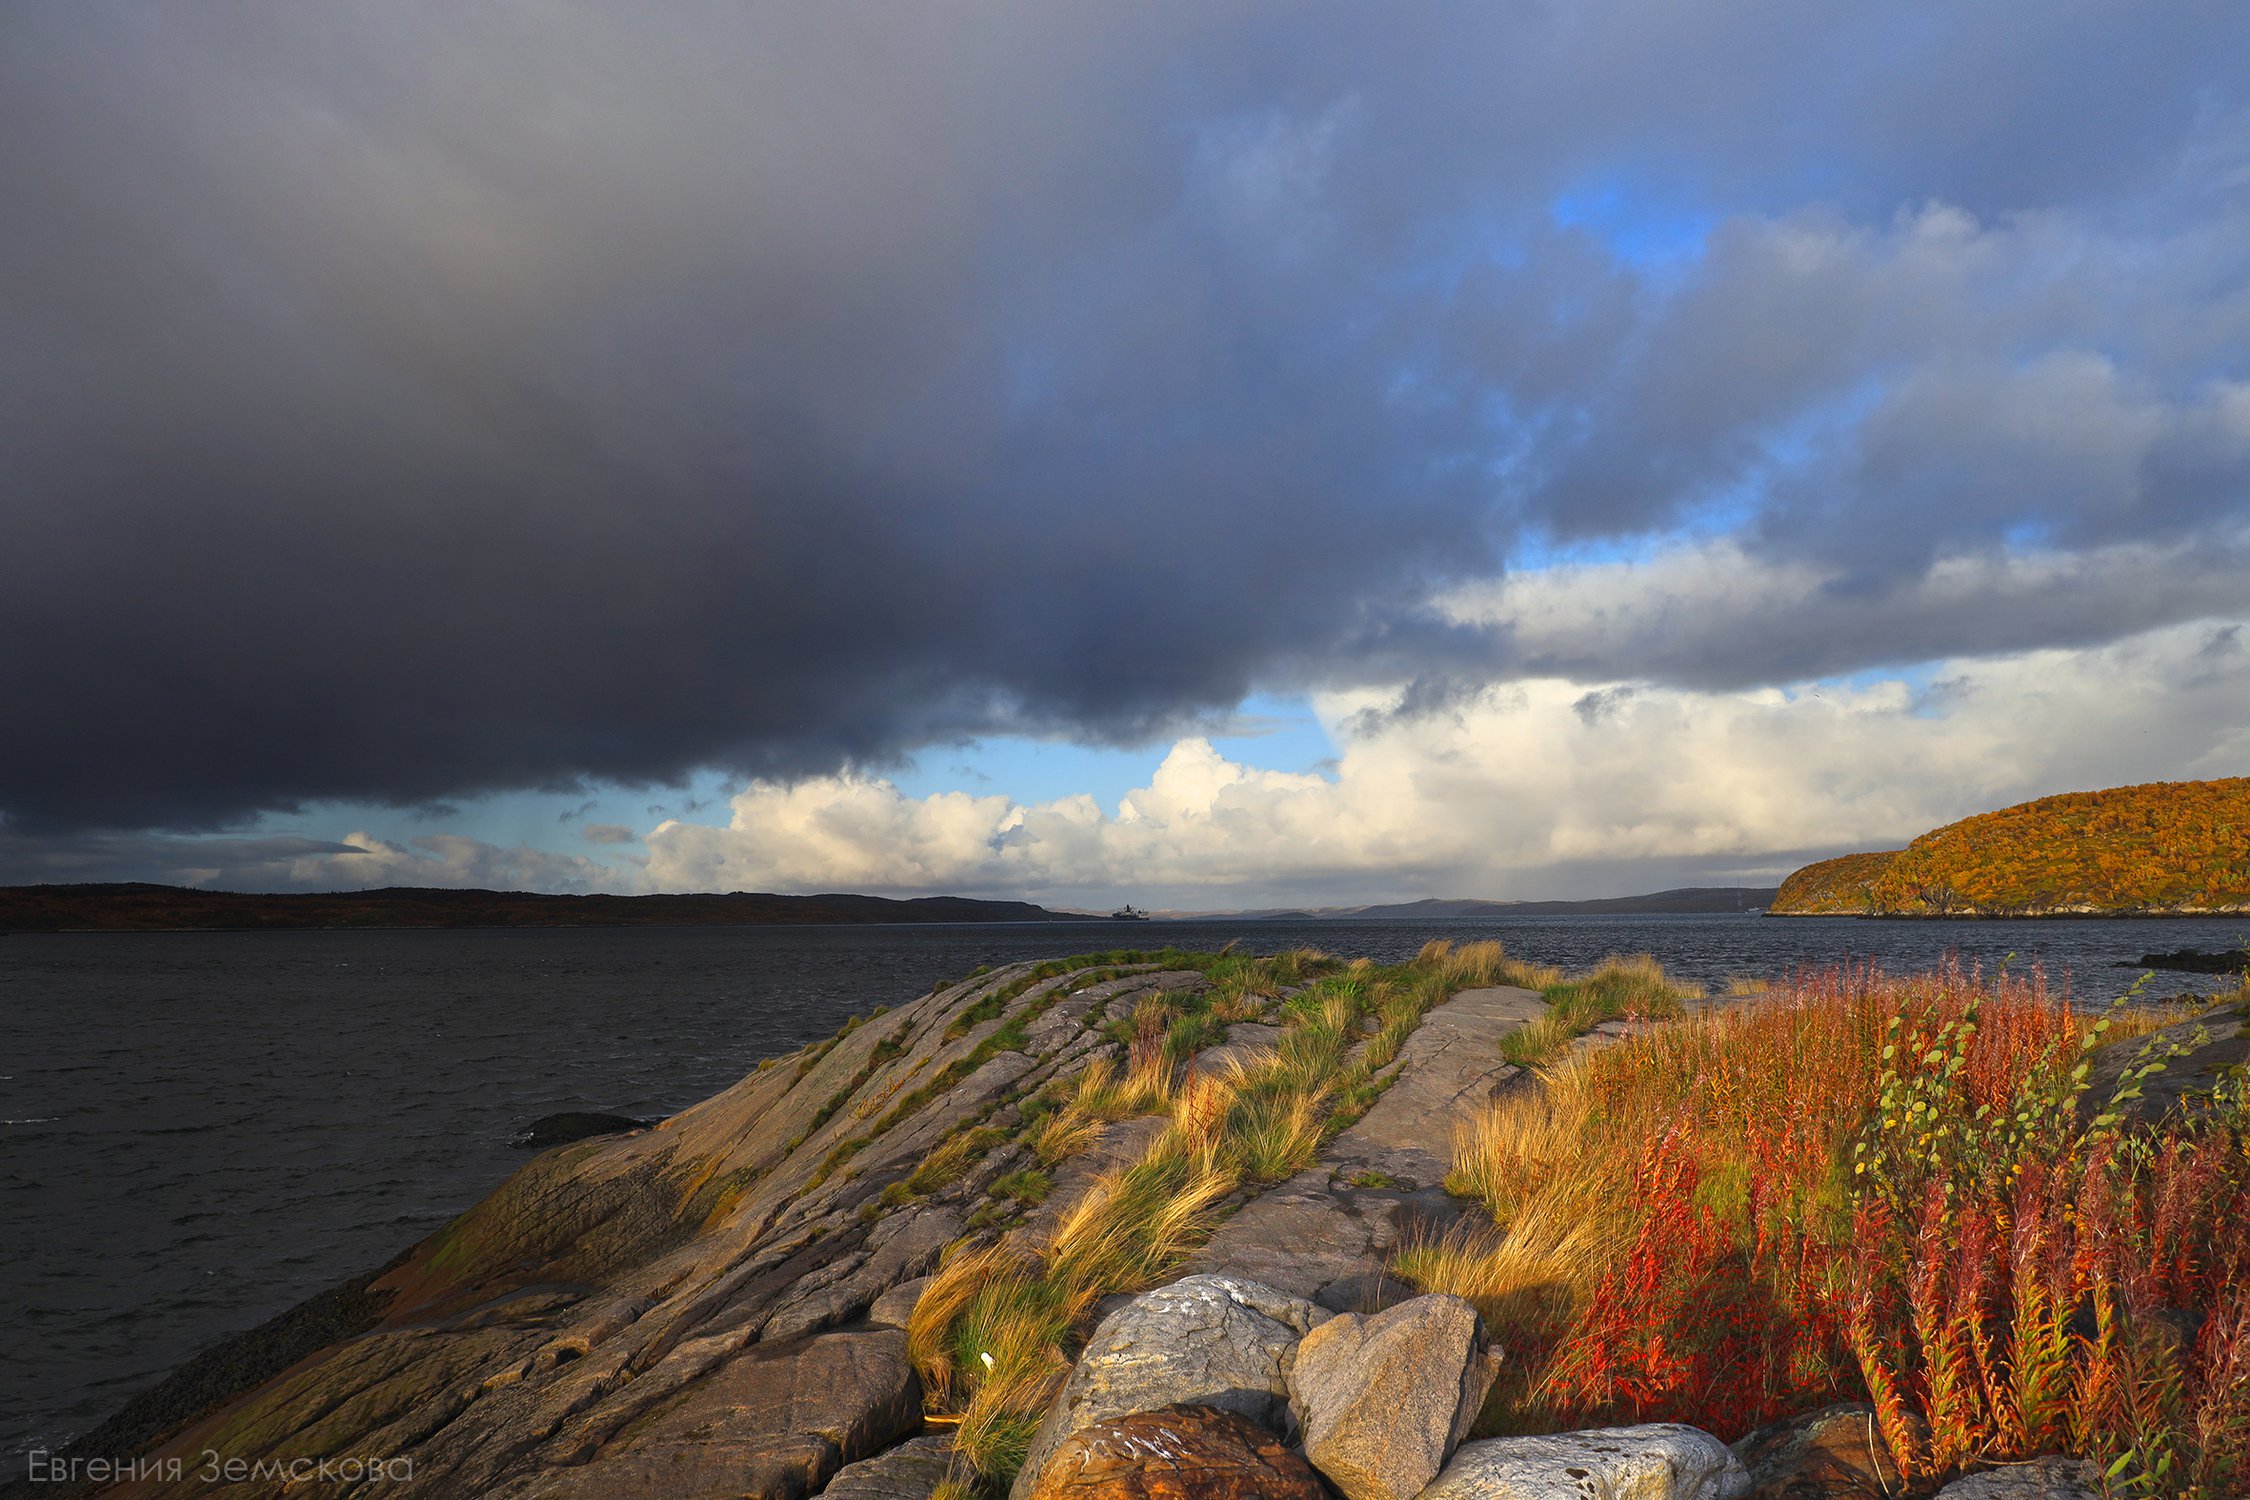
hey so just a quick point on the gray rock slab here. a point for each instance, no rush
(1449, 1068)
(1382, 1400)
(1309, 1235)
(773, 1422)
(1218, 1341)
(894, 1307)
(1654, 1461)
(2051, 1478)
(911, 1471)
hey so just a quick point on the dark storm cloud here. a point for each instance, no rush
(399, 403)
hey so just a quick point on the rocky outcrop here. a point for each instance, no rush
(772, 1423)
(1382, 1400)
(2050, 1478)
(619, 1316)
(1178, 1453)
(1208, 1341)
(1655, 1461)
(2209, 1044)
(716, 1305)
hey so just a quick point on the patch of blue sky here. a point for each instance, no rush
(1267, 731)
(1649, 231)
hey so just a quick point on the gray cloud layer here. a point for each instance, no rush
(405, 402)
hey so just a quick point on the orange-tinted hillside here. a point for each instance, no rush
(2167, 847)
(1833, 887)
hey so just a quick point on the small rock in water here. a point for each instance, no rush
(1177, 1453)
(2195, 961)
(1383, 1399)
(1654, 1461)
(575, 1125)
(2050, 1478)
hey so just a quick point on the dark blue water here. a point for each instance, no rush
(198, 1130)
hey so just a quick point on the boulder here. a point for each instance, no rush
(1218, 1341)
(1383, 1399)
(1834, 1453)
(772, 1423)
(1654, 1461)
(894, 1307)
(2051, 1478)
(911, 1471)
(1178, 1453)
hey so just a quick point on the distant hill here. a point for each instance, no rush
(2170, 848)
(149, 908)
(1702, 900)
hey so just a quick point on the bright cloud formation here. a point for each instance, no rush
(1609, 786)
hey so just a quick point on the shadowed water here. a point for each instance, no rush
(198, 1130)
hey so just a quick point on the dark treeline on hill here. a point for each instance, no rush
(150, 908)
(2173, 848)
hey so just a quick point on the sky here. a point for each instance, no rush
(1204, 454)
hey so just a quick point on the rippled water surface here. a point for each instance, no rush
(198, 1130)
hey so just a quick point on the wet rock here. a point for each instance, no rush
(1217, 1341)
(1382, 1400)
(1834, 1453)
(911, 1471)
(1654, 1461)
(2050, 1478)
(1178, 1453)
(774, 1422)
(574, 1125)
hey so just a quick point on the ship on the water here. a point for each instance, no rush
(1128, 913)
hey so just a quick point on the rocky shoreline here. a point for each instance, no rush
(718, 1305)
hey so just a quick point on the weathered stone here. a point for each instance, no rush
(1178, 1453)
(776, 1421)
(1383, 1399)
(1449, 1069)
(1654, 1461)
(894, 1307)
(911, 1471)
(1215, 1341)
(1310, 1233)
(1834, 1453)
(2051, 1478)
